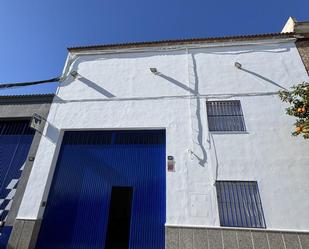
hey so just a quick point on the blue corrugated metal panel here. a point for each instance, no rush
(240, 204)
(89, 165)
(15, 141)
(4, 236)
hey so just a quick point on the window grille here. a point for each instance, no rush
(240, 204)
(225, 116)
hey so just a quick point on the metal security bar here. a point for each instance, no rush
(240, 204)
(15, 127)
(78, 138)
(119, 137)
(225, 116)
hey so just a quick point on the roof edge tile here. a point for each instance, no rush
(37, 98)
(184, 41)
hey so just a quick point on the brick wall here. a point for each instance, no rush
(303, 49)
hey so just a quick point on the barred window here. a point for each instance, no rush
(225, 116)
(240, 204)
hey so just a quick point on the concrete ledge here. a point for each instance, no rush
(24, 234)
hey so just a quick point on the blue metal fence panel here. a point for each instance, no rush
(15, 141)
(90, 163)
(240, 204)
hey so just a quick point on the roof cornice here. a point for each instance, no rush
(183, 42)
(26, 99)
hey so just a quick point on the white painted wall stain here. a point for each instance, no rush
(118, 91)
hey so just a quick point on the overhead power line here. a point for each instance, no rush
(30, 83)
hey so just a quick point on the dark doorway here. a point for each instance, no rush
(118, 231)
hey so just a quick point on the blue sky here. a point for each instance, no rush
(34, 34)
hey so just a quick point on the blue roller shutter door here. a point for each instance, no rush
(90, 164)
(15, 140)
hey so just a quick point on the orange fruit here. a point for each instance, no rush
(299, 109)
(298, 129)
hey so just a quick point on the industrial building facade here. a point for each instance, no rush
(176, 144)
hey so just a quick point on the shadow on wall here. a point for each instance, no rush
(178, 83)
(263, 78)
(212, 144)
(202, 160)
(96, 87)
(195, 92)
(52, 133)
(88, 83)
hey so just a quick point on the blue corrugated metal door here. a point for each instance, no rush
(15, 141)
(93, 165)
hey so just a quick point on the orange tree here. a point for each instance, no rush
(298, 99)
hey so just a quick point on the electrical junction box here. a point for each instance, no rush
(170, 164)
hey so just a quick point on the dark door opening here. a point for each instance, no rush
(118, 230)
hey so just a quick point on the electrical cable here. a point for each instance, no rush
(30, 83)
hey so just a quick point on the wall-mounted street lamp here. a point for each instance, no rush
(154, 70)
(74, 74)
(237, 65)
(37, 122)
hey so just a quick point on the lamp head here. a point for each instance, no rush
(238, 65)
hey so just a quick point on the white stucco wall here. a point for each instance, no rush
(117, 91)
